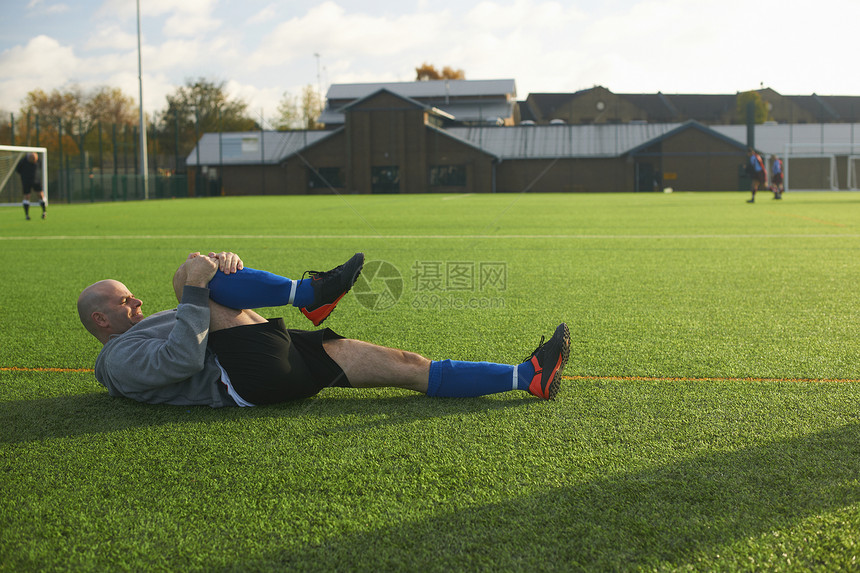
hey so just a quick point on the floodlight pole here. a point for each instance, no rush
(143, 159)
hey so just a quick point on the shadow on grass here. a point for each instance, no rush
(97, 412)
(673, 514)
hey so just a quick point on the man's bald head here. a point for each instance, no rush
(107, 307)
(92, 299)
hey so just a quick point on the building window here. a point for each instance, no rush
(448, 175)
(325, 177)
(385, 179)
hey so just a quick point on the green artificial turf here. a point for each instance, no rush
(710, 419)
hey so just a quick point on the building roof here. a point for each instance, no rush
(740, 146)
(705, 108)
(447, 133)
(550, 141)
(543, 141)
(467, 101)
(847, 108)
(658, 107)
(830, 108)
(238, 148)
(426, 89)
(412, 102)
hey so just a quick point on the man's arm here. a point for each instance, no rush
(198, 270)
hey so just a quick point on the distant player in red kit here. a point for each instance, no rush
(776, 184)
(756, 169)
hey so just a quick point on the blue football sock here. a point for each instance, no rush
(456, 379)
(251, 288)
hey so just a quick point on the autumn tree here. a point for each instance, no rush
(110, 106)
(87, 119)
(426, 72)
(43, 115)
(5, 127)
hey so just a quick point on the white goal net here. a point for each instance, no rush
(821, 166)
(10, 182)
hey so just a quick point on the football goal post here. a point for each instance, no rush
(820, 166)
(853, 174)
(10, 183)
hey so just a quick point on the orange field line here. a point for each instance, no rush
(706, 379)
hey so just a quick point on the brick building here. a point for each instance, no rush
(599, 105)
(388, 142)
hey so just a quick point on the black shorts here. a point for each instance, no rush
(268, 364)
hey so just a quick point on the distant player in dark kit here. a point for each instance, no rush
(756, 170)
(27, 169)
(776, 184)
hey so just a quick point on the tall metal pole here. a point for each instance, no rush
(144, 164)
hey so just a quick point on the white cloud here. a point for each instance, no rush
(260, 101)
(187, 24)
(173, 55)
(47, 9)
(184, 18)
(263, 16)
(43, 63)
(112, 37)
(40, 58)
(330, 30)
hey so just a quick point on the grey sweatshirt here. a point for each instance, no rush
(164, 359)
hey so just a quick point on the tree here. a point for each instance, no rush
(311, 107)
(5, 127)
(426, 72)
(51, 109)
(759, 105)
(289, 116)
(80, 115)
(43, 115)
(198, 107)
(111, 106)
(300, 112)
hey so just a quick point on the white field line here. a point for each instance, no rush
(433, 237)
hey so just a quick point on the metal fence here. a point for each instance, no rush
(75, 186)
(101, 163)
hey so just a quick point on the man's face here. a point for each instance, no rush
(121, 309)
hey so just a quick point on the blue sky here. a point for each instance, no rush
(263, 48)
